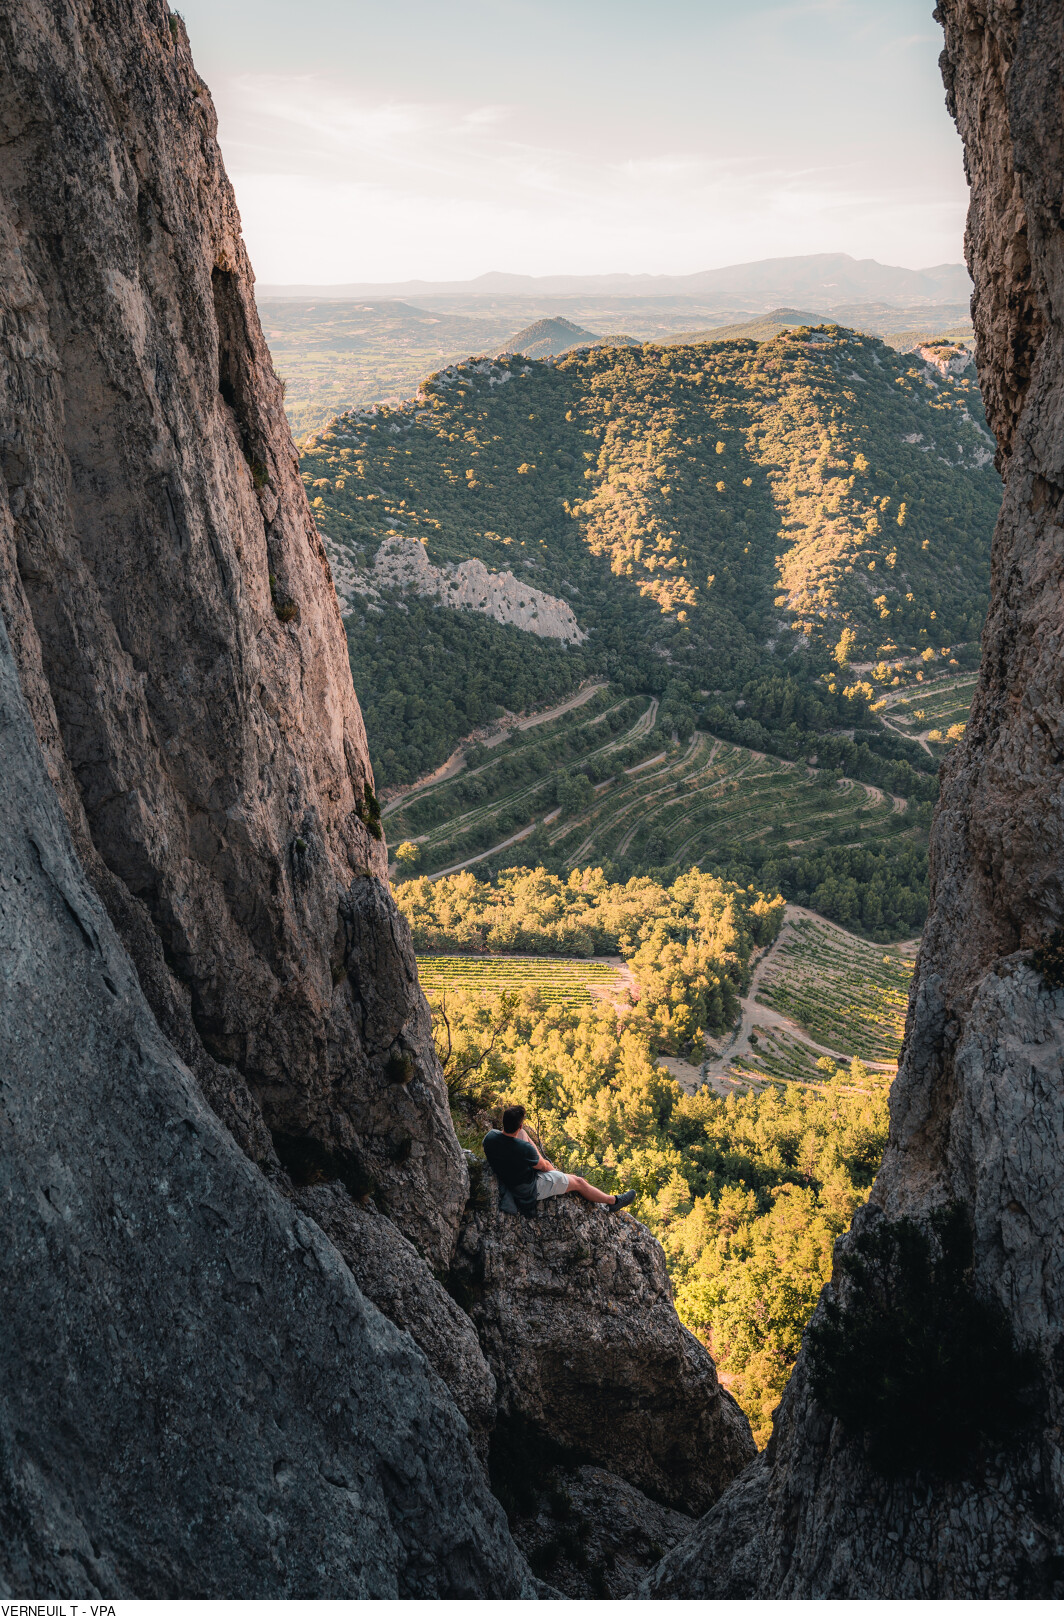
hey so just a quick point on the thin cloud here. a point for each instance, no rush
(337, 186)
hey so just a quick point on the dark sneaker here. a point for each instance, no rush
(622, 1201)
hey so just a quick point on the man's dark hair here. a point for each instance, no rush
(512, 1119)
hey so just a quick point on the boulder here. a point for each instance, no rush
(575, 1316)
(593, 1535)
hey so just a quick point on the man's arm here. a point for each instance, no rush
(542, 1163)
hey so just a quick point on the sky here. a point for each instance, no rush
(439, 139)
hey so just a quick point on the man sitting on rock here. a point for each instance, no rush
(525, 1175)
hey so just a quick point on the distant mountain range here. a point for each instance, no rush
(828, 279)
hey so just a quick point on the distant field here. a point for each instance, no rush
(342, 353)
(558, 981)
(335, 353)
(849, 995)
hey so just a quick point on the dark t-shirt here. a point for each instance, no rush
(513, 1160)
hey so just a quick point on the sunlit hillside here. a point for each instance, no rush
(710, 513)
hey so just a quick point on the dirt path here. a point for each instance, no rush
(545, 715)
(624, 984)
(492, 739)
(450, 870)
(908, 735)
(471, 817)
(687, 1077)
(920, 693)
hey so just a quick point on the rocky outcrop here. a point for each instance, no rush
(392, 1275)
(591, 1534)
(977, 1111)
(404, 564)
(174, 622)
(946, 360)
(575, 1316)
(195, 1398)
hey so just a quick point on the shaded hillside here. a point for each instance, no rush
(716, 507)
(760, 327)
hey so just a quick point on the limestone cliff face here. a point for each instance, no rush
(977, 1112)
(404, 563)
(174, 622)
(195, 1397)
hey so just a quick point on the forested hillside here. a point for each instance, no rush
(713, 514)
(746, 1186)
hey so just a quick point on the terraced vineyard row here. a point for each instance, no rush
(779, 1058)
(710, 798)
(556, 980)
(935, 707)
(704, 800)
(502, 808)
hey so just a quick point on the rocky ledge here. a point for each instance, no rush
(575, 1316)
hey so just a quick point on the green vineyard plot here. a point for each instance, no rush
(709, 799)
(779, 1058)
(849, 996)
(557, 981)
(934, 707)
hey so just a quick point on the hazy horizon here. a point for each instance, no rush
(553, 283)
(380, 145)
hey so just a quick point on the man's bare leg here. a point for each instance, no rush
(590, 1193)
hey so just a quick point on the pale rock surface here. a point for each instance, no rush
(195, 1398)
(947, 362)
(977, 1111)
(173, 616)
(404, 564)
(575, 1316)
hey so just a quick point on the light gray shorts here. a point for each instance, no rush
(551, 1183)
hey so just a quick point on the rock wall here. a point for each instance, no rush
(390, 1272)
(195, 1398)
(977, 1112)
(174, 622)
